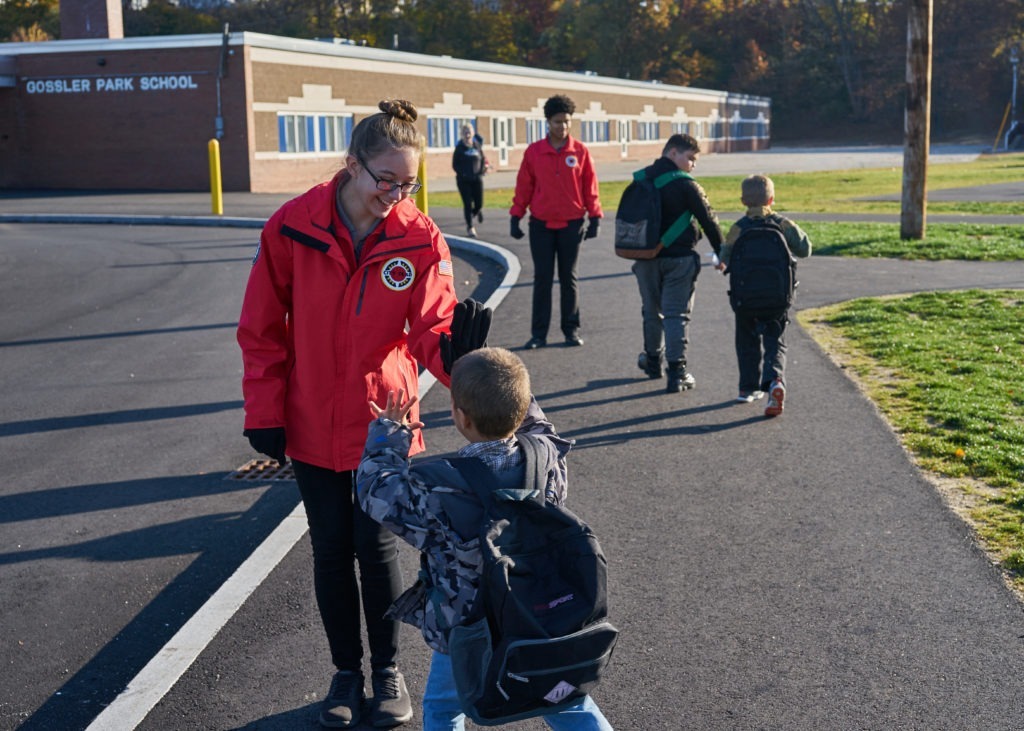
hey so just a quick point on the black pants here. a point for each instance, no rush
(761, 349)
(472, 192)
(548, 247)
(340, 533)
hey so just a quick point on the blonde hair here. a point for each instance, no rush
(392, 128)
(757, 190)
(492, 387)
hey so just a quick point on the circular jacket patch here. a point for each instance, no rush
(397, 273)
(571, 161)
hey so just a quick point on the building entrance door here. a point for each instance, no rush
(503, 139)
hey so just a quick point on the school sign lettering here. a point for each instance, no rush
(102, 84)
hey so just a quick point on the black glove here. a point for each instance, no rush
(514, 231)
(470, 324)
(592, 227)
(268, 441)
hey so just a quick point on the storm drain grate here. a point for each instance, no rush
(263, 470)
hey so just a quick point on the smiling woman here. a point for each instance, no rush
(340, 271)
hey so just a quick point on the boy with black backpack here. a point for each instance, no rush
(668, 280)
(758, 257)
(514, 465)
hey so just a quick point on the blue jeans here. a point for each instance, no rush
(441, 710)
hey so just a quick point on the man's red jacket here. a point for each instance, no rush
(557, 186)
(322, 334)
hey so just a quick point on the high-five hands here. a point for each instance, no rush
(397, 409)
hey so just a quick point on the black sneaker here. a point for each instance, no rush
(534, 343)
(480, 216)
(573, 340)
(650, 364)
(391, 704)
(343, 705)
(678, 379)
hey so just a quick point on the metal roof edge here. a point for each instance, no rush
(325, 48)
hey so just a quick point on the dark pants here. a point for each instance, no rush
(667, 289)
(472, 192)
(760, 349)
(341, 533)
(548, 246)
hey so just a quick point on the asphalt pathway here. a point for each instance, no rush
(795, 573)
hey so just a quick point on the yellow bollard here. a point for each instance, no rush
(421, 174)
(216, 193)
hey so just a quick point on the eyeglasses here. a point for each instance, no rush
(389, 186)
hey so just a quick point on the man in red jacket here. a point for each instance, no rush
(558, 184)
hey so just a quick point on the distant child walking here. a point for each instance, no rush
(431, 506)
(756, 257)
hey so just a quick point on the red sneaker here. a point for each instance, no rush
(776, 396)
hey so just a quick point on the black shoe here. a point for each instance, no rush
(480, 216)
(650, 363)
(534, 343)
(678, 379)
(391, 704)
(343, 705)
(573, 340)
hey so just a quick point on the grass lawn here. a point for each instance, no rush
(842, 191)
(945, 369)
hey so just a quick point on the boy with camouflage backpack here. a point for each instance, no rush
(439, 507)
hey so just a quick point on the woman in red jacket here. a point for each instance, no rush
(350, 288)
(557, 183)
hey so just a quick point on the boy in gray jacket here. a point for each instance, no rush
(431, 506)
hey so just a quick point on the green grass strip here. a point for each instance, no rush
(946, 370)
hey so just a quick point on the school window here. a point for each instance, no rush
(716, 132)
(444, 131)
(536, 129)
(682, 128)
(647, 131)
(335, 132)
(594, 131)
(313, 132)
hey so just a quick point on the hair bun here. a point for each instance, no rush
(400, 109)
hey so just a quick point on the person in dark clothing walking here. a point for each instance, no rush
(668, 282)
(470, 166)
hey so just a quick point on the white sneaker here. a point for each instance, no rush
(749, 397)
(471, 231)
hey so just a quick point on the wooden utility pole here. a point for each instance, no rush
(917, 119)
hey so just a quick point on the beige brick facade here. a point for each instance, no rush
(138, 113)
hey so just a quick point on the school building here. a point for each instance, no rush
(138, 113)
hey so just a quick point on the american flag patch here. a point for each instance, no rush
(444, 268)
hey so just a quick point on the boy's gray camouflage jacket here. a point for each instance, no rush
(430, 506)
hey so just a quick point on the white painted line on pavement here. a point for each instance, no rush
(160, 674)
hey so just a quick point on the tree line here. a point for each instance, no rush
(835, 69)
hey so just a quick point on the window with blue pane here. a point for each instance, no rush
(536, 129)
(648, 131)
(592, 131)
(444, 131)
(313, 132)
